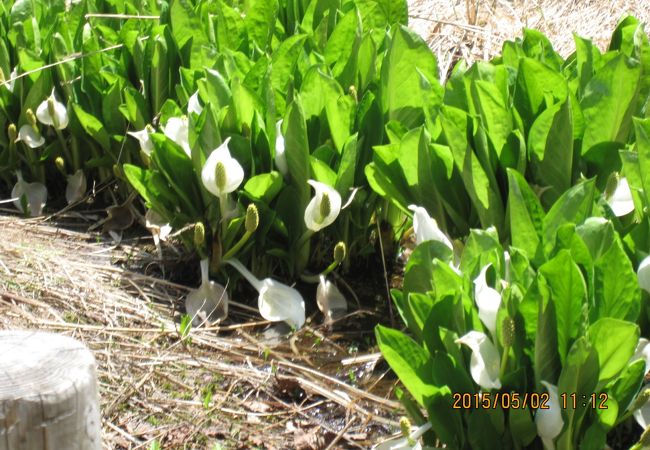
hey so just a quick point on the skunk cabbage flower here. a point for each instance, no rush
(621, 199)
(76, 187)
(324, 207)
(330, 300)
(177, 130)
(222, 174)
(208, 303)
(426, 228)
(643, 274)
(488, 301)
(9, 84)
(280, 156)
(52, 112)
(405, 443)
(35, 196)
(31, 137)
(157, 226)
(485, 362)
(146, 144)
(194, 105)
(276, 301)
(549, 421)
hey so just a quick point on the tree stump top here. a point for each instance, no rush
(35, 362)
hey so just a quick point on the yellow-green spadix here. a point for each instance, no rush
(221, 173)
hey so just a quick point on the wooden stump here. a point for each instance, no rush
(48, 393)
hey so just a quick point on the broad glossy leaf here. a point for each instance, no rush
(93, 127)
(642, 134)
(379, 13)
(574, 206)
(580, 376)
(550, 143)
(264, 186)
(568, 292)
(411, 362)
(525, 215)
(482, 191)
(297, 150)
(615, 341)
(260, 21)
(616, 287)
(608, 105)
(628, 383)
(187, 29)
(401, 97)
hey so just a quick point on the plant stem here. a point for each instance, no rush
(235, 248)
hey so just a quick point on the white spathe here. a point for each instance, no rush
(76, 187)
(314, 219)
(549, 421)
(402, 443)
(643, 274)
(35, 194)
(485, 362)
(330, 300)
(621, 200)
(59, 117)
(177, 129)
(31, 137)
(208, 303)
(280, 156)
(488, 301)
(277, 301)
(157, 225)
(194, 104)
(144, 138)
(233, 172)
(426, 228)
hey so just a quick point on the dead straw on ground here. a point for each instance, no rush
(476, 29)
(219, 384)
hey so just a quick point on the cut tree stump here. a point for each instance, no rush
(48, 393)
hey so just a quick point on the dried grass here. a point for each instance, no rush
(476, 29)
(296, 393)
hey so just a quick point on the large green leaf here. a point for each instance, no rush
(642, 134)
(615, 341)
(379, 13)
(479, 184)
(574, 206)
(580, 377)
(297, 150)
(525, 215)
(409, 361)
(608, 105)
(260, 21)
(408, 58)
(186, 27)
(616, 287)
(535, 83)
(550, 143)
(569, 295)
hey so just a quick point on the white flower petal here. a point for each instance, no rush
(330, 300)
(313, 218)
(426, 228)
(30, 137)
(642, 415)
(643, 274)
(485, 361)
(233, 171)
(549, 421)
(278, 301)
(208, 303)
(143, 136)
(194, 105)
(642, 352)
(35, 194)
(488, 301)
(157, 225)
(10, 85)
(60, 117)
(177, 130)
(76, 187)
(280, 156)
(621, 200)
